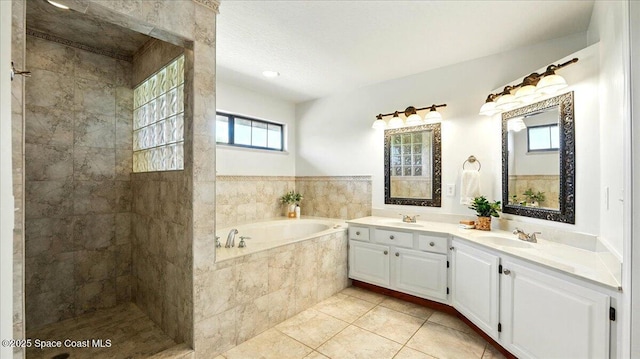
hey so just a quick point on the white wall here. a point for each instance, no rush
(534, 163)
(249, 162)
(335, 135)
(609, 26)
(6, 188)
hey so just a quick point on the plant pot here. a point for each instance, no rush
(483, 223)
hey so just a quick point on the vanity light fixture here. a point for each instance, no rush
(529, 90)
(58, 5)
(413, 118)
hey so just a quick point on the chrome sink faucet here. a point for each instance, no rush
(526, 237)
(409, 219)
(231, 238)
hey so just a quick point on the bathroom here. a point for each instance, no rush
(349, 188)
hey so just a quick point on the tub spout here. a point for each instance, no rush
(231, 238)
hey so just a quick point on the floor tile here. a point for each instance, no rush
(269, 345)
(356, 343)
(407, 307)
(492, 353)
(312, 327)
(408, 353)
(390, 324)
(315, 355)
(344, 307)
(132, 334)
(443, 342)
(450, 321)
(364, 294)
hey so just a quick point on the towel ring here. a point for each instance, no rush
(472, 159)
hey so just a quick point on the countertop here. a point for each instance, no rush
(576, 262)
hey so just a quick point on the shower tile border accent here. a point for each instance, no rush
(77, 45)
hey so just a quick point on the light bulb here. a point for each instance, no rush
(551, 84)
(507, 102)
(379, 124)
(414, 119)
(527, 94)
(395, 121)
(433, 116)
(488, 109)
(58, 5)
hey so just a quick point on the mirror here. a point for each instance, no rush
(412, 165)
(538, 160)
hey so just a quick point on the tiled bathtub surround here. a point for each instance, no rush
(344, 197)
(242, 199)
(78, 192)
(248, 295)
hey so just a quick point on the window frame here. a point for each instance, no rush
(231, 117)
(549, 149)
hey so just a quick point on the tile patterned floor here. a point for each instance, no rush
(357, 323)
(132, 334)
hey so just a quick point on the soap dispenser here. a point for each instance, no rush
(297, 212)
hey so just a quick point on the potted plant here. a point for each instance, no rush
(291, 199)
(485, 210)
(533, 199)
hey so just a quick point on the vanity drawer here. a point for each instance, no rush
(432, 243)
(359, 233)
(394, 238)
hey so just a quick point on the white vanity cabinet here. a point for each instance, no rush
(545, 316)
(403, 260)
(475, 285)
(369, 262)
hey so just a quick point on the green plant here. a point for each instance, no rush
(534, 197)
(291, 198)
(484, 208)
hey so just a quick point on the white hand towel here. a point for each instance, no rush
(469, 186)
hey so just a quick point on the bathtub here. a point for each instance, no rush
(275, 233)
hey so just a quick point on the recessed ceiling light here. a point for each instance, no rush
(270, 74)
(58, 5)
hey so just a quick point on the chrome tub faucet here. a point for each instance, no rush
(231, 238)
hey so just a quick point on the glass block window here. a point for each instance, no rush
(411, 154)
(158, 120)
(241, 131)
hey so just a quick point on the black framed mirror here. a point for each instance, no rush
(413, 166)
(538, 160)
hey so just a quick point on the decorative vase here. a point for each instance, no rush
(483, 223)
(291, 210)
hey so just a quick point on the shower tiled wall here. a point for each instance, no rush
(241, 199)
(78, 164)
(161, 265)
(17, 151)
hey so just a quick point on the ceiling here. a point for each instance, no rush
(83, 29)
(321, 47)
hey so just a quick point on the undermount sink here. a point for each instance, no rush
(506, 242)
(400, 223)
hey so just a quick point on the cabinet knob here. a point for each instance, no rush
(357, 233)
(452, 248)
(391, 237)
(432, 244)
(506, 272)
(386, 252)
(397, 254)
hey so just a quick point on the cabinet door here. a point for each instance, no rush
(419, 273)
(369, 263)
(475, 288)
(548, 317)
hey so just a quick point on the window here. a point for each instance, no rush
(249, 132)
(158, 120)
(543, 138)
